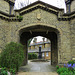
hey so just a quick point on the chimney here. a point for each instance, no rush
(43, 39)
(35, 40)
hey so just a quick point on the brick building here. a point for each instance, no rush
(45, 49)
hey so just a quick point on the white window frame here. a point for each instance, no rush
(47, 54)
(43, 54)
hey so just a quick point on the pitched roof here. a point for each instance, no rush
(39, 43)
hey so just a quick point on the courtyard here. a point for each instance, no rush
(35, 68)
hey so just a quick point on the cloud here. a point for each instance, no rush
(57, 3)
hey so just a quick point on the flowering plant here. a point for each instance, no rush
(71, 62)
(69, 65)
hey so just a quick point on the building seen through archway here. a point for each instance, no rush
(45, 45)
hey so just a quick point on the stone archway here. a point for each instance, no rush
(40, 30)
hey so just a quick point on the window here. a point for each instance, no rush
(43, 54)
(47, 54)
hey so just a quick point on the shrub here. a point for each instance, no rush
(32, 56)
(3, 71)
(71, 62)
(12, 56)
(62, 70)
(64, 73)
(57, 67)
(70, 69)
(67, 73)
(13, 71)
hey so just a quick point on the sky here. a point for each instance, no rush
(57, 3)
(39, 38)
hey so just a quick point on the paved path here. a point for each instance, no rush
(35, 68)
(37, 73)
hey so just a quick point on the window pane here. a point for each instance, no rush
(42, 54)
(47, 54)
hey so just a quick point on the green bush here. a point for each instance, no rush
(65, 71)
(70, 69)
(57, 67)
(3, 71)
(71, 62)
(12, 56)
(32, 56)
(62, 70)
(13, 71)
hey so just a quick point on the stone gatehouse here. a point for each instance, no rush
(41, 19)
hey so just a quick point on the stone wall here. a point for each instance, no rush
(4, 6)
(73, 6)
(72, 25)
(63, 46)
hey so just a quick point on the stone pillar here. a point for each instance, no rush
(35, 40)
(54, 52)
(43, 39)
(26, 54)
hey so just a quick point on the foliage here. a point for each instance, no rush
(20, 17)
(71, 62)
(0, 66)
(3, 71)
(74, 71)
(68, 69)
(32, 56)
(62, 70)
(12, 56)
(57, 67)
(67, 73)
(13, 71)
